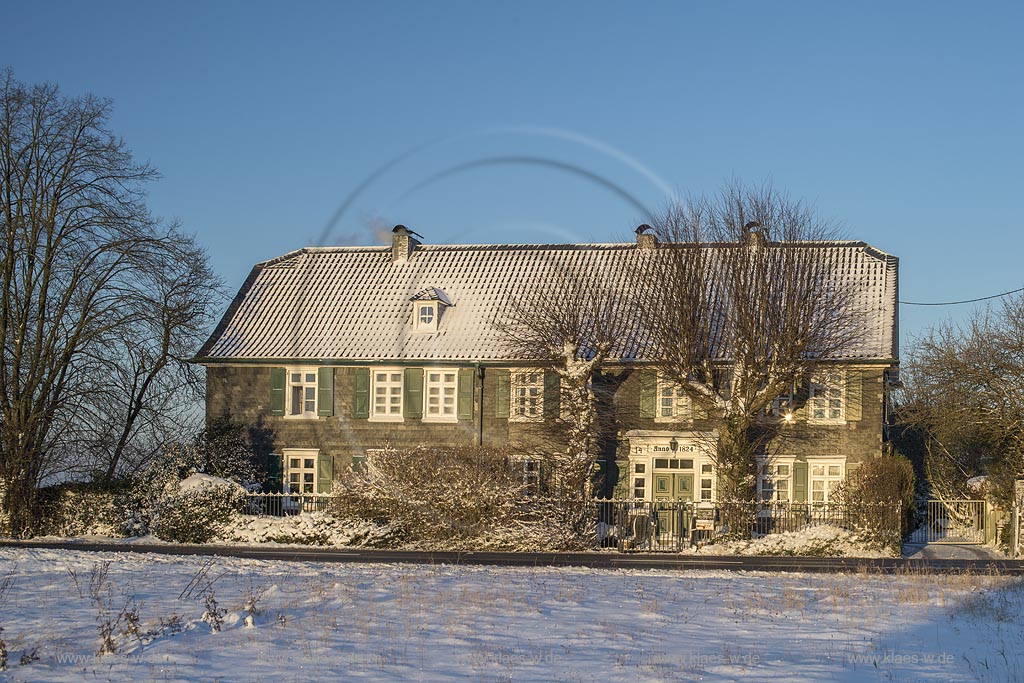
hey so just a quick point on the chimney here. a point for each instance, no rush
(755, 235)
(645, 240)
(403, 243)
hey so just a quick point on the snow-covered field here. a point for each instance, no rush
(362, 622)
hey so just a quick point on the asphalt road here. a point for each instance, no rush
(602, 560)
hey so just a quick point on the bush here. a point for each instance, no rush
(871, 491)
(196, 509)
(81, 509)
(451, 498)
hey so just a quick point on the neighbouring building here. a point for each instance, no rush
(337, 351)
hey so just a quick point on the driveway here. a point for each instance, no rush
(950, 551)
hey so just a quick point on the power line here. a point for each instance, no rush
(965, 301)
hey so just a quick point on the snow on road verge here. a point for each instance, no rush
(313, 621)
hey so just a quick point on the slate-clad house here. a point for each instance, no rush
(339, 351)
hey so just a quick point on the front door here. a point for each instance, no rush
(672, 492)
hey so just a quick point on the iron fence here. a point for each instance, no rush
(675, 525)
(636, 525)
(281, 504)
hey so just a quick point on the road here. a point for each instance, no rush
(603, 560)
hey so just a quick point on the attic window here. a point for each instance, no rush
(427, 308)
(426, 316)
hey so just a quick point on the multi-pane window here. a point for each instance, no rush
(673, 403)
(782, 405)
(302, 393)
(639, 480)
(774, 481)
(707, 481)
(441, 389)
(528, 470)
(426, 317)
(825, 477)
(387, 394)
(825, 399)
(527, 395)
(300, 471)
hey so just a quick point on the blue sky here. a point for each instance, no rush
(513, 122)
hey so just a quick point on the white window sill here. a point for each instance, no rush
(522, 418)
(441, 419)
(304, 416)
(825, 421)
(385, 418)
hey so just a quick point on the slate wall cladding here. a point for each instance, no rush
(244, 393)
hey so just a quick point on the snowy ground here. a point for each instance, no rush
(350, 622)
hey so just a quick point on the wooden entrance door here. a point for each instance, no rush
(673, 492)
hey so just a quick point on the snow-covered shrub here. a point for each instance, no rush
(196, 509)
(78, 509)
(449, 497)
(879, 500)
(824, 540)
(220, 451)
(307, 528)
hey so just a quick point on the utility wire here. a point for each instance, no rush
(965, 301)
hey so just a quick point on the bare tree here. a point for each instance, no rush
(572, 326)
(79, 246)
(744, 304)
(151, 392)
(964, 392)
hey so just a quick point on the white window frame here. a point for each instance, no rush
(425, 316)
(446, 389)
(827, 393)
(642, 468)
(638, 472)
(782, 406)
(702, 476)
(389, 384)
(303, 456)
(519, 385)
(826, 475)
(304, 384)
(673, 399)
(528, 471)
(779, 472)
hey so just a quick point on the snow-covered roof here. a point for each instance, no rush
(433, 294)
(353, 303)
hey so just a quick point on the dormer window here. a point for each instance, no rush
(427, 308)
(427, 317)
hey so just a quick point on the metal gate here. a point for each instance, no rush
(953, 521)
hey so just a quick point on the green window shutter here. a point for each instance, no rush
(412, 390)
(648, 394)
(325, 392)
(277, 382)
(854, 394)
(275, 473)
(502, 393)
(552, 395)
(358, 463)
(799, 482)
(324, 473)
(465, 408)
(361, 399)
